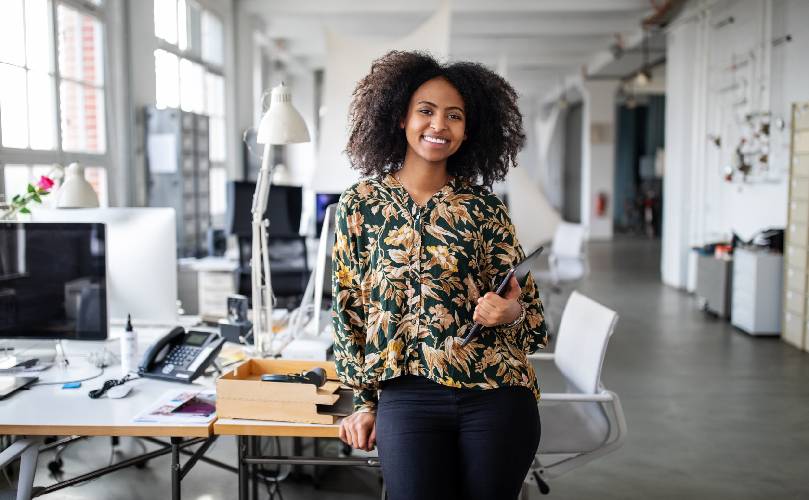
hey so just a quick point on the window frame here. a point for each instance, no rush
(194, 55)
(29, 156)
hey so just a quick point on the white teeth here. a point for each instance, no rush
(434, 140)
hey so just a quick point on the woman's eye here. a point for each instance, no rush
(425, 111)
(456, 117)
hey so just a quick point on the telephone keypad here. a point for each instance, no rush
(183, 355)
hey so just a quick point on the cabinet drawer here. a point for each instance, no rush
(795, 302)
(801, 116)
(793, 329)
(800, 165)
(796, 257)
(796, 280)
(798, 233)
(799, 211)
(799, 188)
(743, 296)
(801, 141)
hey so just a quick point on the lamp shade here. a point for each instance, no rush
(76, 192)
(282, 124)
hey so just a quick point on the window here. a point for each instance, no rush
(189, 75)
(53, 96)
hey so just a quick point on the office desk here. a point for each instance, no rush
(248, 453)
(49, 410)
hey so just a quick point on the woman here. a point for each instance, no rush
(420, 244)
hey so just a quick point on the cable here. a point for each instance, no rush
(109, 384)
(91, 377)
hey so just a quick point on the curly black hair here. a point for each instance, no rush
(494, 133)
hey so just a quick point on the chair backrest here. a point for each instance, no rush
(585, 329)
(568, 240)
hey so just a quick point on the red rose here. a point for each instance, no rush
(45, 183)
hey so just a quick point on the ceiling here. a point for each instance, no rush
(538, 42)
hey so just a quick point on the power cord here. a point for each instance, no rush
(109, 384)
(62, 382)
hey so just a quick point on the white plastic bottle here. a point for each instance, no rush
(129, 348)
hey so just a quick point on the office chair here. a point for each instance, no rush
(567, 262)
(576, 426)
(27, 451)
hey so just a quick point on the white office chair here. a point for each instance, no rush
(576, 426)
(567, 261)
(27, 451)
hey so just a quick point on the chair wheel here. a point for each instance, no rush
(142, 465)
(55, 466)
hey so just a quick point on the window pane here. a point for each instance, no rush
(182, 25)
(217, 182)
(83, 126)
(41, 110)
(216, 153)
(11, 32)
(214, 95)
(38, 35)
(192, 83)
(167, 79)
(80, 47)
(165, 20)
(97, 177)
(13, 100)
(213, 39)
(16, 178)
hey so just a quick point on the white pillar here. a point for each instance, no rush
(598, 157)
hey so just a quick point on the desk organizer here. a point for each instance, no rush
(240, 393)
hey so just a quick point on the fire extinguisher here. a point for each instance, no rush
(601, 204)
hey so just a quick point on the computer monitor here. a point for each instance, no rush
(284, 208)
(141, 258)
(53, 281)
(323, 265)
(322, 201)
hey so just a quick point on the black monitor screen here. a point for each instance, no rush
(323, 200)
(53, 281)
(284, 208)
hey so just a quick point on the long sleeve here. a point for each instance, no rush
(504, 251)
(348, 315)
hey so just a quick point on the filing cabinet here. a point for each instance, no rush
(795, 296)
(177, 166)
(757, 285)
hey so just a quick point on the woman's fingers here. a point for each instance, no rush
(372, 439)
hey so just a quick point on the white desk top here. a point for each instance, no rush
(53, 411)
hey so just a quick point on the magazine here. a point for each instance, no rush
(182, 407)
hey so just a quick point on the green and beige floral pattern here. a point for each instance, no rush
(405, 283)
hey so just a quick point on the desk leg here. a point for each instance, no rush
(175, 467)
(241, 451)
(255, 445)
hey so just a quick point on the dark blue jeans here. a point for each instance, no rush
(438, 442)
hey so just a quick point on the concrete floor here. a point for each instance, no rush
(712, 412)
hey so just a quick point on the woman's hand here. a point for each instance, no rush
(358, 430)
(493, 310)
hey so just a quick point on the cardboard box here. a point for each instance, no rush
(240, 393)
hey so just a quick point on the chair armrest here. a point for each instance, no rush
(541, 356)
(602, 397)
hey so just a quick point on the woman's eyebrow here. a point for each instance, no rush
(435, 106)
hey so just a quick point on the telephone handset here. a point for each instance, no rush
(181, 356)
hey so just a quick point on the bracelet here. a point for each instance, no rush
(519, 319)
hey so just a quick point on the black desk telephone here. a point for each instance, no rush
(181, 356)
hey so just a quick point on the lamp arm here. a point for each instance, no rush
(262, 298)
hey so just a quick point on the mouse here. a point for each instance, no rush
(119, 391)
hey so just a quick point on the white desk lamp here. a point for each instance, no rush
(75, 191)
(281, 124)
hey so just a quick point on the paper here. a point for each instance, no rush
(182, 407)
(162, 153)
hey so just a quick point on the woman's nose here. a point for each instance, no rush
(438, 123)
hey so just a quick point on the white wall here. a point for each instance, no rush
(716, 75)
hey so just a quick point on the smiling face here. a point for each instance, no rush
(435, 122)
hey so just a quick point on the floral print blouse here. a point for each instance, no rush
(406, 279)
